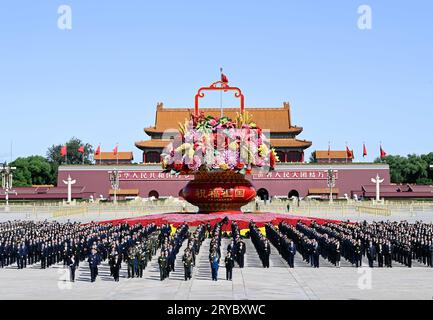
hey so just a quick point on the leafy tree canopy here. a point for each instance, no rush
(410, 169)
(32, 170)
(39, 170)
(73, 156)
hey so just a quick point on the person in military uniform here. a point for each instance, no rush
(141, 261)
(229, 264)
(132, 262)
(187, 264)
(162, 262)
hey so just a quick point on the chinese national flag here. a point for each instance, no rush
(349, 154)
(382, 153)
(115, 150)
(81, 149)
(364, 150)
(224, 78)
(63, 151)
(98, 151)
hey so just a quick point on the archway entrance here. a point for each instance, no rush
(293, 193)
(154, 194)
(263, 194)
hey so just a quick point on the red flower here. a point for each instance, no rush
(272, 160)
(239, 166)
(178, 165)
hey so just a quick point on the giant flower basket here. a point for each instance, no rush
(218, 152)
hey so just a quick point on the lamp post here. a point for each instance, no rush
(114, 179)
(7, 177)
(331, 184)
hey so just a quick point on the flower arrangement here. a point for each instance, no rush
(207, 143)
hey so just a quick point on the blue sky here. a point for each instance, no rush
(101, 80)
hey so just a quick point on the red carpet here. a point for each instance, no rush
(243, 220)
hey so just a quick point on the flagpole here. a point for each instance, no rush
(346, 150)
(221, 95)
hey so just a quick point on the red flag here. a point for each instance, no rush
(81, 149)
(349, 154)
(382, 152)
(63, 151)
(364, 150)
(115, 150)
(98, 151)
(224, 78)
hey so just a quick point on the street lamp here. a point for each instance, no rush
(6, 178)
(114, 179)
(331, 184)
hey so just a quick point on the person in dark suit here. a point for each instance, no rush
(266, 253)
(291, 252)
(371, 254)
(387, 253)
(315, 253)
(22, 256)
(380, 254)
(241, 254)
(229, 263)
(115, 262)
(430, 254)
(72, 266)
(93, 261)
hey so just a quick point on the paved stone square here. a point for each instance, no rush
(252, 282)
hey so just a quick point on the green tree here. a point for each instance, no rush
(410, 169)
(32, 170)
(73, 156)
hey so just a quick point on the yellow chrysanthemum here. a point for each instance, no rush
(183, 147)
(224, 166)
(263, 150)
(233, 146)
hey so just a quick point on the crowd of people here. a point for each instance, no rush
(43, 243)
(170, 245)
(215, 248)
(380, 243)
(285, 246)
(28, 243)
(261, 243)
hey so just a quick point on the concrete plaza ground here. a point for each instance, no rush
(249, 283)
